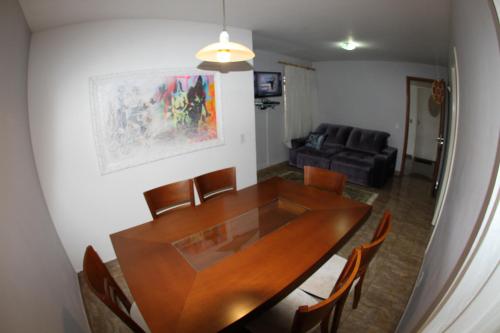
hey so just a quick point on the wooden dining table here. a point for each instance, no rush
(215, 266)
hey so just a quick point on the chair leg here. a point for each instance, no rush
(357, 292)
(337, 314)
(324, 324)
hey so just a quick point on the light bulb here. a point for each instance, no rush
(223, 55)
(224, 37)
(349, 45)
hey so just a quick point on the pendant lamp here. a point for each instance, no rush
(224, 50)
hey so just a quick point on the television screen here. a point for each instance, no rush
(267, 84)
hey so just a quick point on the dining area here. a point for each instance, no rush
(260, 259)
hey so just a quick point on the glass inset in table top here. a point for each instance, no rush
(205, 248)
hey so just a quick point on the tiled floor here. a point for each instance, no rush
(416, 167)
(391, 276)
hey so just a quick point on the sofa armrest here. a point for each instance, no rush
(299, 142)
(296, 145)
(385, 163)
(392, 154)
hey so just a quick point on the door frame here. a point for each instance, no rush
(451, 138)
(409, 79)
(441, 142)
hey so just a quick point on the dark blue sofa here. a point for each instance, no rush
(362, 155)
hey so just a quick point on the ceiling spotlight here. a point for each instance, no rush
(349, 45)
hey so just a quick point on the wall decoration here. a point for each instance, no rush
(140, 117)
(438, 91)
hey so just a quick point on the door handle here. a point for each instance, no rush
(440, 140)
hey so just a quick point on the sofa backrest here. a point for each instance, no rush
(367, 140)
(336, 134)
(322, 128)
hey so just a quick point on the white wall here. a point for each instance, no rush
(368, 94)
(475, 35)
(269, 126)
(38, 286)
(85, 206)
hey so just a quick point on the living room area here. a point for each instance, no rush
(358, 116)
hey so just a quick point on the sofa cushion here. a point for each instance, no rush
(313, 157)
(323, 128)
(315, 140)
(367, 140)
(333, 147)
(358, 174)
(355, 158)
(337, 134)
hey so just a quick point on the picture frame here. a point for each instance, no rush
(143, 116)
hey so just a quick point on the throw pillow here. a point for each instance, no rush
(315, 140)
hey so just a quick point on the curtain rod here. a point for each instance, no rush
(295, 65)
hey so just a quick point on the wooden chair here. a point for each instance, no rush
(170, 197)
(324, 179)
(103, 285)
(300, 312)
(322, 280)
(215, 183)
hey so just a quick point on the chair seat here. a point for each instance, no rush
(280, 317)
(321, 283)
(136, 316)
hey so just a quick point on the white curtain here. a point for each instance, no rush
(301, 100)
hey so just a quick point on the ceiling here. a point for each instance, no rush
(392, 30)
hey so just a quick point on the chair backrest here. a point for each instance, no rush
(169, 197)
(215, 183)
(324, 179)
(369, 250)
(307, 317)
(103, 285)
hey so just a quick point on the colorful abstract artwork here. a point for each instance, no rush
(141, 117)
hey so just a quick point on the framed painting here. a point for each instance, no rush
(144, 116)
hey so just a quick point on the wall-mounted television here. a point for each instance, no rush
(267, 84)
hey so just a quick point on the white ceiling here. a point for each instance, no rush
(399, 30)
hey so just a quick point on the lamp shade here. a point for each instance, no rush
(225, 51)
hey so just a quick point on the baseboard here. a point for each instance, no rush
(273, 165)
(423, 160)
(260, 167)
